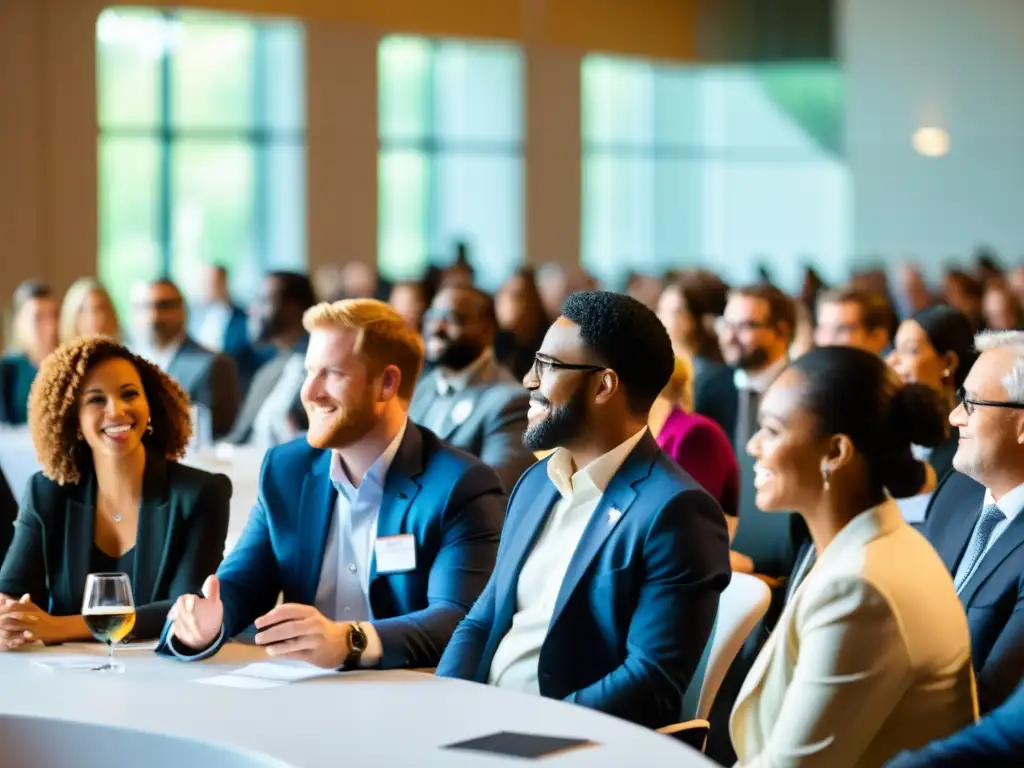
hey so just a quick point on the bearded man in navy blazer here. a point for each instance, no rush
(379, 535)
(612, 558)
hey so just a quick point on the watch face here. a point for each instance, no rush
(357, 639)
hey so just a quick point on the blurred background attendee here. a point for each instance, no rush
(850, 317)
(695, 442)
(108, 428)
(88, 311)
(689, 307)
(644, 288)
(912, 292)
(209, 378)
(461, 271)
(409, 299)
(872, 654)
(522, 322)
(272, 412)
(1002, 309)
(35, 337)
(552, 284)
(803, 330)
(216, 322)
(359, 280)
(963, 291)
(935, 347)
(467, 398)
(1015, 281)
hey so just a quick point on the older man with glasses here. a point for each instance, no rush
(612, 558)
(974, 519)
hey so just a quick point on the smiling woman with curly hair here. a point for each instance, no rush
(108, 428)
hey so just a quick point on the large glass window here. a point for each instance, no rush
(201, 147)
(726, 167)
(450, 162)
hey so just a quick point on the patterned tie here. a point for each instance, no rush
(991, 516)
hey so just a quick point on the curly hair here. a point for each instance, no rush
(53, 407)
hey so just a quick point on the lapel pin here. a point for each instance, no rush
(614, 515)
(461, 411)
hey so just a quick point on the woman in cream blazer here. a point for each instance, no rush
(871, 655)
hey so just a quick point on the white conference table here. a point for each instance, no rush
(155, 714)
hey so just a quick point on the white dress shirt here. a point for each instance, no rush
(1010, 505)
(270, 427)
(213, 325)
(162, 358)
(514, 665)
(343, 593)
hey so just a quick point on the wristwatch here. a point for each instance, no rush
(356, 645)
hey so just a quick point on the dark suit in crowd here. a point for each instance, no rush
(486, 417)
(993, 595)
(211, 380)
(8, 512)
(263, 385)
(183, 523)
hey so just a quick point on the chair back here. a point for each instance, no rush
(742, 605)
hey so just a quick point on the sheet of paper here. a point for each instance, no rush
(914, 508)
(77, 663)
(268, 674)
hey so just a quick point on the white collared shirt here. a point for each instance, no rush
(343, 593)
(759, 382)
(1010, 505)
(514, 665)
(213, 325)
(162, 358)
(458, 381)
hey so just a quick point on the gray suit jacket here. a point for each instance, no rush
(487, 419)
(210, 380)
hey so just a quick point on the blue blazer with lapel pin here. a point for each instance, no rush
(450, 502)
(637, 604)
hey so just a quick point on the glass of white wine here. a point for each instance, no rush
(109, 612)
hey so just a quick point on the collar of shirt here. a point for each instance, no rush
(162, 357)
(456, 382)
(759, 382)
(377, 472)
(594, 477)
(1010, 505)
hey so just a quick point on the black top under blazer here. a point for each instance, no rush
(183, 523)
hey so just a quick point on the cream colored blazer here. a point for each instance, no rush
(870, 656)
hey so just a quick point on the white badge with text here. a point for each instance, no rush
(396, 554)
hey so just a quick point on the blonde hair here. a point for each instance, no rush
(72, 305)
(679, 389)
(382, 337)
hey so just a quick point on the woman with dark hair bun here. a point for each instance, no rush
(935, 348)
(871, 654)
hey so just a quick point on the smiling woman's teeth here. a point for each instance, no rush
(761, 475)
(117, 430)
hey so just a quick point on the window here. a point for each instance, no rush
(201, 147)
(450, 162)
(724, 167)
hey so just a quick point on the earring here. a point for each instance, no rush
(149, 427)
(80, 436)
(947, 373)
(825, 475)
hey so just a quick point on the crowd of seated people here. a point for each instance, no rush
(547, 491)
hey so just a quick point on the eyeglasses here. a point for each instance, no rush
(970, 404)
(543, 364)
(723, 326)
(445, 315)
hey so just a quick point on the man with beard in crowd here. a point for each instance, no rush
(379, 535)
(613, 559)
(467, 398)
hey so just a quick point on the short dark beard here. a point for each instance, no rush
(754, 361)
(564, 424)
(458, 355)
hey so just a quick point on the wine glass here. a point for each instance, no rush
(109, 612)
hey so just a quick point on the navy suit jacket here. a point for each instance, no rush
(449, 501)
(994, 596)
(638, 602)
(997, 740)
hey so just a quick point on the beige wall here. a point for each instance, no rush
(48, 183)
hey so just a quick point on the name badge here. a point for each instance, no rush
(396, 554)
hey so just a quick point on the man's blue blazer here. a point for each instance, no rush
(452, 504)
(637, 604)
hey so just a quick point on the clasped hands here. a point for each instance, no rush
(289, 631)
(22, 623)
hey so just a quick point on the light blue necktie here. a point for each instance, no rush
(991, 516)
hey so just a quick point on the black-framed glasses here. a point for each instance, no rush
(970, 404)
(542, 364)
